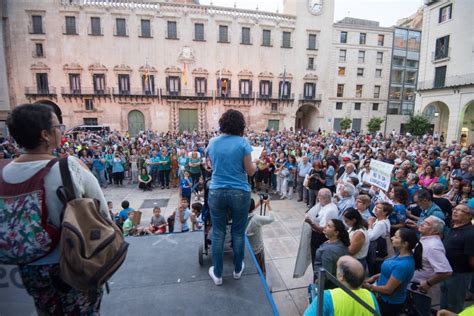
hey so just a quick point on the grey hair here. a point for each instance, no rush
(438, 224)
(326, 194)
(349, 188)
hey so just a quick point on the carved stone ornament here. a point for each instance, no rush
(173, 70)
(310, 77)
(97, 67)
(200, 72)
(223, 72)
(150, 69)
(122, 67)
(39, 66)
(288, 76)
(245, 74)
(72, 67)
(186, 55)
(265, 75)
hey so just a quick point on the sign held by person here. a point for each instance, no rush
(380, 174)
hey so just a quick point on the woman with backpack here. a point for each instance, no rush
(37, 130)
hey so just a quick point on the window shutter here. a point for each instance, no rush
(280, 86)
(144, 84)
(270, 89)
(168, 84)
(228, 88)
(196, 86)
(205, 85)
(289, 89)
(240, 87)
(250, 87)
(179, 84)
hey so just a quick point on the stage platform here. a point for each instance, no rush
(162, 276)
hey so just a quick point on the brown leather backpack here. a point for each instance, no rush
(92, 247)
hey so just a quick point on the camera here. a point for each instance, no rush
(263, 195)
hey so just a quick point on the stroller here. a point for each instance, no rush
(206, 218)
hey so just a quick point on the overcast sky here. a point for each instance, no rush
(387, 12)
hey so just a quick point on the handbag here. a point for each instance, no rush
(306, 181)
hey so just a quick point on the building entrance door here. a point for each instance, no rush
(188, 119)
(274, 124)
(136, 122)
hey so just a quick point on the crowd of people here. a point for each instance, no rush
(412, 241)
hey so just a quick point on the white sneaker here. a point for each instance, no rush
(238, 275)
(217, 281)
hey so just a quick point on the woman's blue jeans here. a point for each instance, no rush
(237, 203)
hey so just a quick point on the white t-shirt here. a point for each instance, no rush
(327, 212)
(380, 229)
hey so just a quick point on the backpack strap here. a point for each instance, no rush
(66, 192)
(35, 182)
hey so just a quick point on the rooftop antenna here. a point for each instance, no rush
(235, 4)
(256, 7)
(278, 9)
(348, 13)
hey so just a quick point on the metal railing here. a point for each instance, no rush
(133, 92)
(85, 91)
(40, 91)
(440, 54)
(322, 276)
(314, 97)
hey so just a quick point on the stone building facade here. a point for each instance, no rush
(446, 75)
(169, 65)
(359, 71)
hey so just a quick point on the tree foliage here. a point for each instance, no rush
(374, 124)
(346, 123)
(418, 124)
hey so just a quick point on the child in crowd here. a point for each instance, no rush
(185, 185)
(144, 180)
(123, 214)
(178, 221)
(130, 229)
(158, 222)
(110, 206)
(198, 189)
(196, 219)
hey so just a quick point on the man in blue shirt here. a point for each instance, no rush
(303, 168)
(428, 208)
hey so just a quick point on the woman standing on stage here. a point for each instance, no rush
(231, 162)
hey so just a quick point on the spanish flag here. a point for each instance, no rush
(185, 76)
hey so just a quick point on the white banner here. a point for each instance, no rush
(380, 174)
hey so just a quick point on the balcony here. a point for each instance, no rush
(40, 92)
(310, 98)
(450, 82)
(84, 92)
(440, 55)
(116, 92)
(185, 94)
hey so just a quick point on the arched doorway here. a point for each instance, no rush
(467, 124)
(438, 113)
(136, 122)
(306, 117)
(55, 107)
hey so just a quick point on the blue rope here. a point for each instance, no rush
(262, 278)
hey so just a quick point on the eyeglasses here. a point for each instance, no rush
(461, 210)
(62, 127)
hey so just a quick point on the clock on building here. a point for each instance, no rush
(315, 6)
